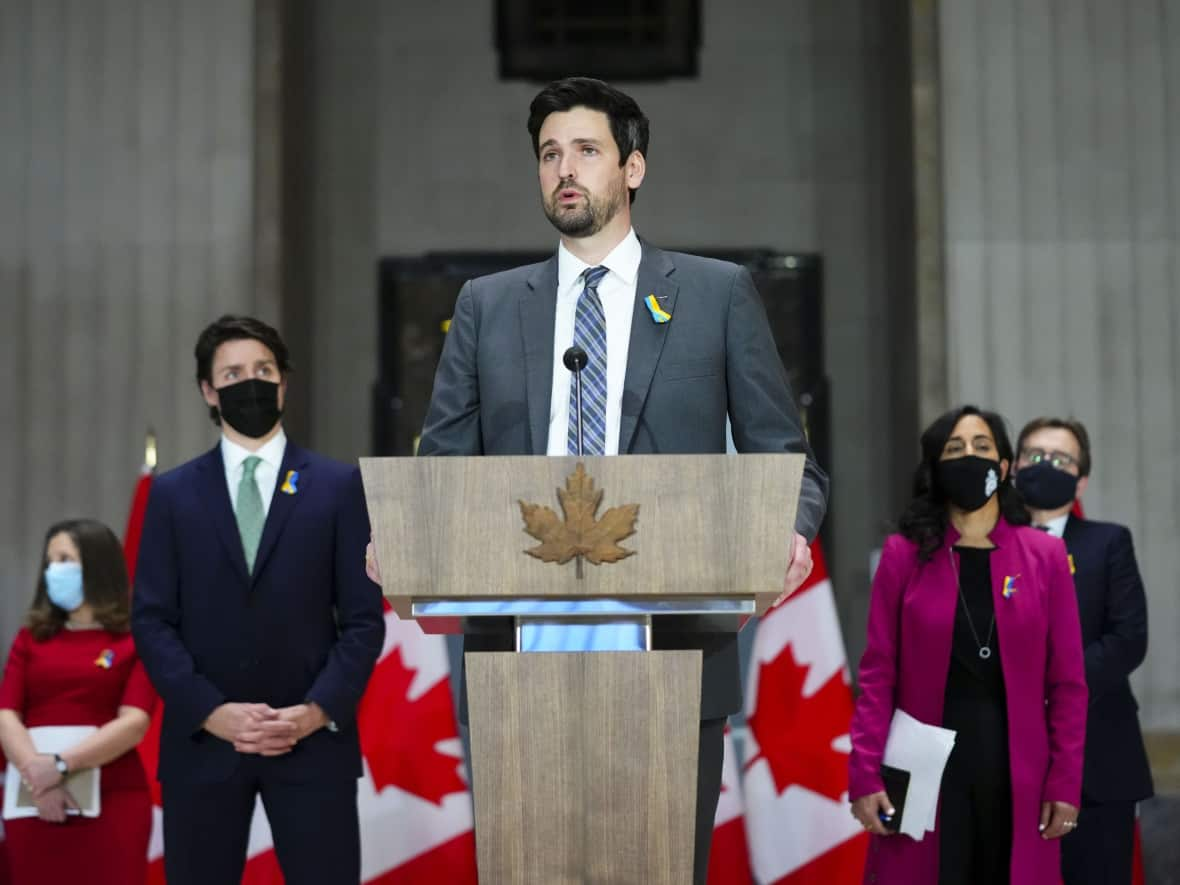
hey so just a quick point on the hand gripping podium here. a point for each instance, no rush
(584, 763)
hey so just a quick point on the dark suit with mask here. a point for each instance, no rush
(716, 358)
(306, 625)
(1113, 611)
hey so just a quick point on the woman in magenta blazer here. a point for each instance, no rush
(973, 625)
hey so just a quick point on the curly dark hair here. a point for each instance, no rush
(104, 580)
(925, 518)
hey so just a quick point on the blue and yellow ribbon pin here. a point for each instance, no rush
(658, 314)
(1073, 569)
(1009, 586)
(291, 484)
(105, 659)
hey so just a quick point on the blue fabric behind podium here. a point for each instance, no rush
(581, 637)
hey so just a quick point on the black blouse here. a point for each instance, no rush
(971, 678)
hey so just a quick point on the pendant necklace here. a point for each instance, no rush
(985, 648)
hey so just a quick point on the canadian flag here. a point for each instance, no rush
(415, 810)
(149, 747)
(798, 709)
(729, 860)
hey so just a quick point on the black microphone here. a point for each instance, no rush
(575, 360)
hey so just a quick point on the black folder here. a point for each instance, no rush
(897, 784)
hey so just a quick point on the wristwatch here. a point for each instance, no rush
(60, 764)
(330, 724)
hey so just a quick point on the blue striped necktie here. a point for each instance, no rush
(590, 335)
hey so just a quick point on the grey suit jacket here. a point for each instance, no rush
(715, 358)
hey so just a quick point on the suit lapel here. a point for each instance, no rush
(282, 503)
(1070, 535)
(939, 612)
(1081, 563)
(1008, 565)
(647, 338)
(538, 310)
(211, 488)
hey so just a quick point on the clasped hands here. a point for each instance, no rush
(44, 781)
(263, 729)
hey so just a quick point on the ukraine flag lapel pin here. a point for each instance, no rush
(658, 314)
(291, 484)
(106, 659)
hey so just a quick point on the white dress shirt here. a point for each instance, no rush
(266, 473)
(1056, 526)
(616, 291)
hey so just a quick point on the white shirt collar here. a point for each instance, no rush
(1056, 526)
(271, 452)
(622, 261)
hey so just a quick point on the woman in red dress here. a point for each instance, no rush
(75, 664)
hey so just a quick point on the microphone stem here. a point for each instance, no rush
(578, 402)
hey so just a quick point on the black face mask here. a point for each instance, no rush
(250, 407)
(968, 482)
(1045, 487)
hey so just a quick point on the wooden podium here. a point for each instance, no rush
(584, 763)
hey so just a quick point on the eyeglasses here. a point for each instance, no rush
(1059, 460)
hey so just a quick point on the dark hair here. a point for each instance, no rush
(236, 328)
(628, 124)
(104, 580)
(925, 518)
(1073, 425)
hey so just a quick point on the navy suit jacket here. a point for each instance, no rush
(308, 625)
(715, 359)
(1113, 611)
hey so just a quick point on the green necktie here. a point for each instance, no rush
(249, 513)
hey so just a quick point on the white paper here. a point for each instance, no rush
(923, 751)
(84, 785)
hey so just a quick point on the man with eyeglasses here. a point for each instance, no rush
(1052, 472)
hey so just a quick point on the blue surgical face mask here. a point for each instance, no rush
(63, 583)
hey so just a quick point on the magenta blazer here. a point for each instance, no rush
(905, 664)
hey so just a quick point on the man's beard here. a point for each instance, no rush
(589, 218)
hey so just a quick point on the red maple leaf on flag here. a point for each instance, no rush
(795, 733)
(399, 737)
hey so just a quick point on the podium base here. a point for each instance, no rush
(584, 766)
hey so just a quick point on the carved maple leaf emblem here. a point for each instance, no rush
(579, 534)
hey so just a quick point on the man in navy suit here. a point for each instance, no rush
(259, 629)
(1053, 469)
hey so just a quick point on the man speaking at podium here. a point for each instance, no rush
(674, 344)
